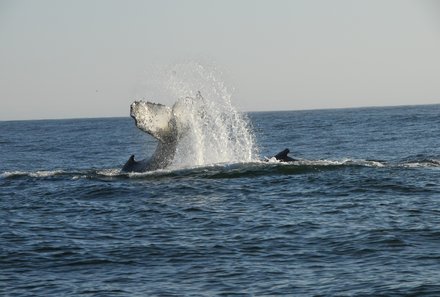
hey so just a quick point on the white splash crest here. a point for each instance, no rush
(212, 130)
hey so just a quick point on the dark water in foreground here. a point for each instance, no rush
(359, 215)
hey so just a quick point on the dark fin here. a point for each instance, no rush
(129, 164)
(283, 157)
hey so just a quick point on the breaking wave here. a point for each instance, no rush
(226, 170)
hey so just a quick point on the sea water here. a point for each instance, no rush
(357, 215)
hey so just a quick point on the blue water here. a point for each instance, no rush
(357, 215)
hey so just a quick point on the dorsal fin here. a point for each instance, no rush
(282, 154)
(129, 164)
(283, 157)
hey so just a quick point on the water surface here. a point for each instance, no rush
(357, 215)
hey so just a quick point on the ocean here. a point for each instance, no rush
(357, 215)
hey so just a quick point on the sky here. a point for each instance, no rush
(86, 58)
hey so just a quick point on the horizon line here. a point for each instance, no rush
(246, 111)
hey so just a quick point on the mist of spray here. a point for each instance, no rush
(212, 130)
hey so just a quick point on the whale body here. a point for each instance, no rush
(159, 121)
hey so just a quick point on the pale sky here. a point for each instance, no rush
(85, 58)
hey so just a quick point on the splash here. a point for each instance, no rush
(213, 131)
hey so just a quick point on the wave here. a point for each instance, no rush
(38, 173)
(224, 170)
(422, 163)
(49, 174)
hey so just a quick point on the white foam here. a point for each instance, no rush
(157, 172)
(342, 162)
(12, 173)
(110, 172)
(44, 173)
(39, 173)
(426, 164)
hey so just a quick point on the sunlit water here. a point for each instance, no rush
(357, 215)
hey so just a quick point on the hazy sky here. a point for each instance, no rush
(88, 58)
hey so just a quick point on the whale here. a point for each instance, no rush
(167, 126)
(159, 121)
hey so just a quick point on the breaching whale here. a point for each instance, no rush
(165, 124)
(159, 121)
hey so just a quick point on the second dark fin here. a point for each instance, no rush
(283, 157)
